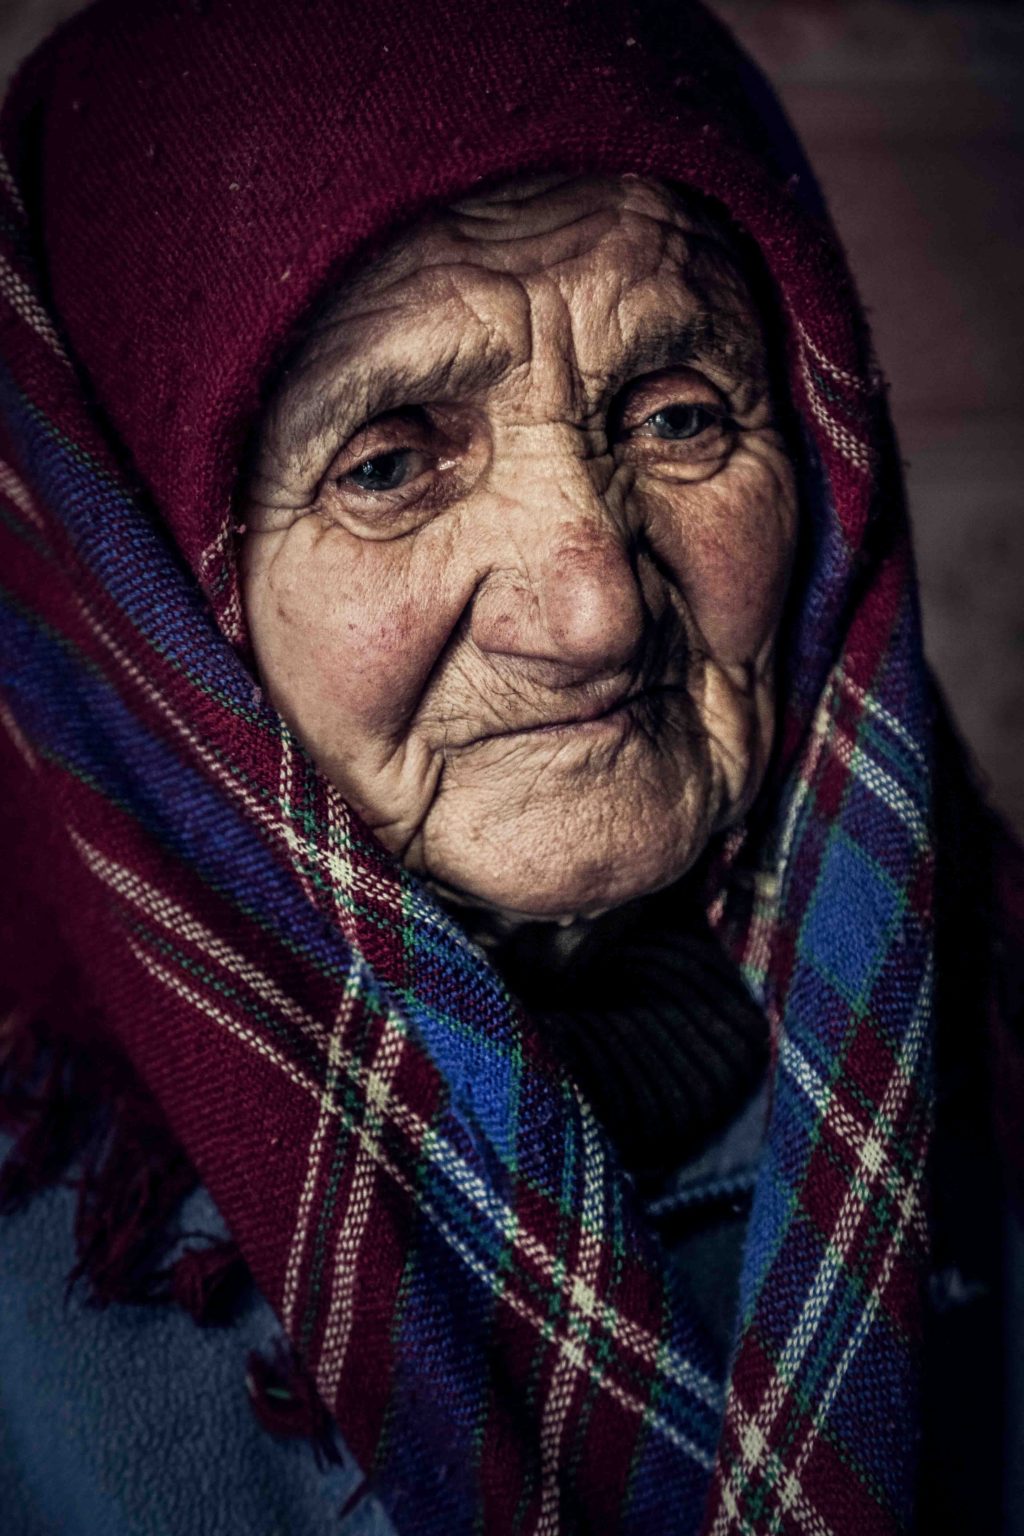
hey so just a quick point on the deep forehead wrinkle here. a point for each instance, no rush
(357, 363)
(347, 387)
(350, 388)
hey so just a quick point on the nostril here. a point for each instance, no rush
(580, 606)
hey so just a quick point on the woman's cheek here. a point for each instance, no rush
(342, 636)
(729, 543)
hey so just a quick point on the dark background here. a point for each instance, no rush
(913, 114)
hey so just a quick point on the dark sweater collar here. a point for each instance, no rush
(650, 1015)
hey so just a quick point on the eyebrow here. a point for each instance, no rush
(705, 337)
(355, 389)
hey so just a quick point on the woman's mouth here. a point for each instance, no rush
(584, 720)
(595, 718)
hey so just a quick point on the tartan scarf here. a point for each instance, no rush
(429, 1205)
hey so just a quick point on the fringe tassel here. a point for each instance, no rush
(66, 1105)
(128, 1194)
(286, 1402)
(49, 1125)
(208, 1282)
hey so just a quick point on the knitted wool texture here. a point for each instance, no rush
(423, 1197)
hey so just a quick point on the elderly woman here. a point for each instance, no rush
(477, 819)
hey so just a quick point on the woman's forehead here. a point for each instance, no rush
(646, 280)
(626, 227)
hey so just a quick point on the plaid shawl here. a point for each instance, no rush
(428, 1204)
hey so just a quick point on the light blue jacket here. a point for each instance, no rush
(134, 1421)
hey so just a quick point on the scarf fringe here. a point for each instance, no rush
(286, 1402)
(70, 1109)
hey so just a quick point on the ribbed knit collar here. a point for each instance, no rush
(650, 1015)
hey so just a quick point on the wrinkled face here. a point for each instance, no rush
(519, 535)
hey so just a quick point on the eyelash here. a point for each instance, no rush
(714, 417)
(453, 452)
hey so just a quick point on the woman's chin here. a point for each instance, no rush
(560, 890)
(556, 850)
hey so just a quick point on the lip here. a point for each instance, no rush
(590, 717)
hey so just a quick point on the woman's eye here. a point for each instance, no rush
(385, 471)
(679, 440)
(676, 423)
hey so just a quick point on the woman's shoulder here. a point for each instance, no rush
(132, 1418)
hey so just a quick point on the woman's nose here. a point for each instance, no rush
(568, 594)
